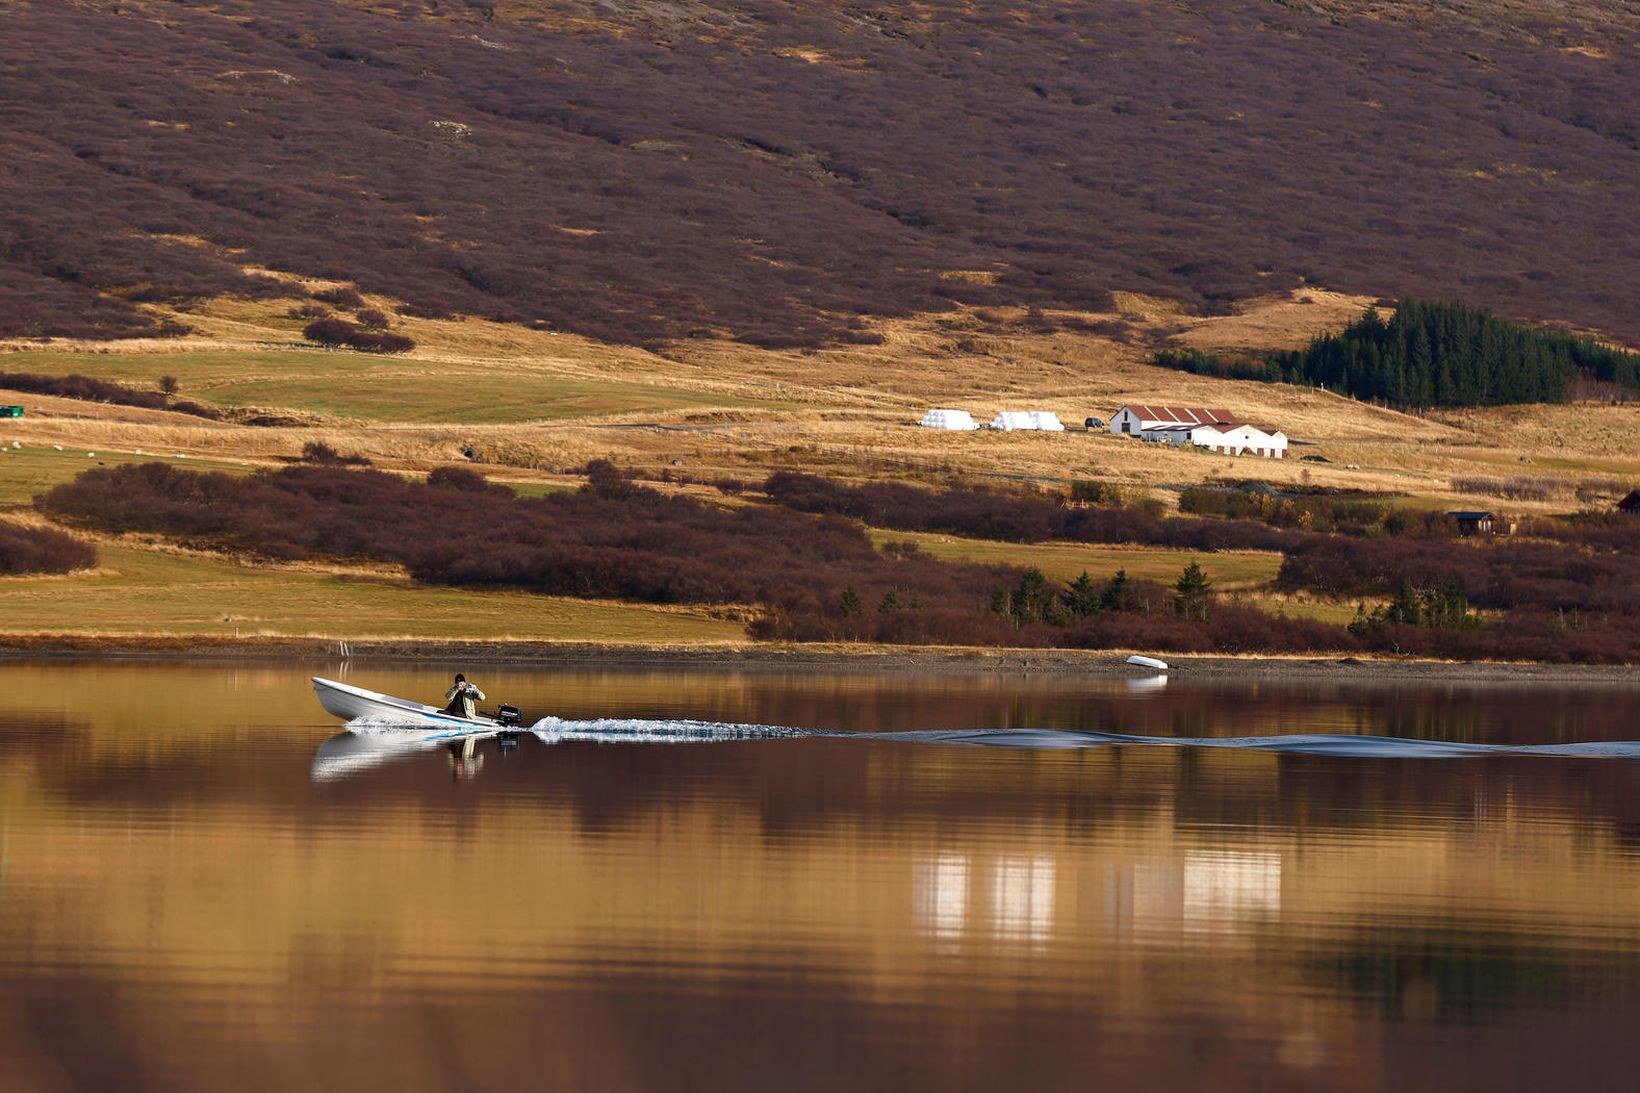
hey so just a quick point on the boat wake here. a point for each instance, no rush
(554, 730)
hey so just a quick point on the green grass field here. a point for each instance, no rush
(27, 471)
(148, 592)
(375, 388)
(1245, 573)
(1065, 561)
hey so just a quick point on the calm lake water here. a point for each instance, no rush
(634, 900)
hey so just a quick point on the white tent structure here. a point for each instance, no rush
(1040, 420)
(957, 420)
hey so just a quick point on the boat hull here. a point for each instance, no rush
(352, 703)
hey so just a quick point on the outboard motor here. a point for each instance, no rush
(508, 716)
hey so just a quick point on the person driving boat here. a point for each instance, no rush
(462, 698)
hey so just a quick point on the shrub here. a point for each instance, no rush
(372, 342)
(322, 454)
(1013, 517)
(345, 298)
(42, 550)
(464, 480)
(95, 390)
(1567, 594)
(1516, 488)
(337, 333)
(614, 539)
(331, 332)
(1259, 501)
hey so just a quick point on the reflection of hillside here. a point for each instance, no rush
(1132, 913)
(1098, 852)
(996, 918)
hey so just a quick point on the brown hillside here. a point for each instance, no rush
(771, 170)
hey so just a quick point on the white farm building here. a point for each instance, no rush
(1216, 430)
(957, 420)
(1241, 440)
(1042, 420)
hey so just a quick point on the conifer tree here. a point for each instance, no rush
(1118, 594)
(1031, 598)
(1191, 593)
(1081, 597)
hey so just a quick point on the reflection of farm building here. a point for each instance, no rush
(1218, 430)
(1022, 898)
(1631, 503)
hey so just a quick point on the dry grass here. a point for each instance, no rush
(139, 591)
(713, 410)
(1235, 569)
(1285, 322)
(719, 409)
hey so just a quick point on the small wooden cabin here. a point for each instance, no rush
(1474, 523)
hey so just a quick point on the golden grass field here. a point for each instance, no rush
(141, 591)
(535, 405)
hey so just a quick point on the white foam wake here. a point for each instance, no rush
(621, 730)
(614, 730)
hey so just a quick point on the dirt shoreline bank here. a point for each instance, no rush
(829, 658)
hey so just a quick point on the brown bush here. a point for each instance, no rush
(345, 298)
(41, 550)
(331, 332)
(322, 454)
(1012, 517)
(1514, 488)
(90, 389)
(338, 333)
(1569, 597)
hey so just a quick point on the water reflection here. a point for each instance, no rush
(1145, 685)
(348, 754)
(185, 903)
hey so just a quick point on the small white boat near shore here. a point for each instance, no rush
(1147, 662)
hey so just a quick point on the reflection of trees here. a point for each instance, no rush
(1458, 974)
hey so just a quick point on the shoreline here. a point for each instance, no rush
(1102, 663)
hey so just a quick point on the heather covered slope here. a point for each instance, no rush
(770, 171)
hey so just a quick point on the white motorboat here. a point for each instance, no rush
(355, 704)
